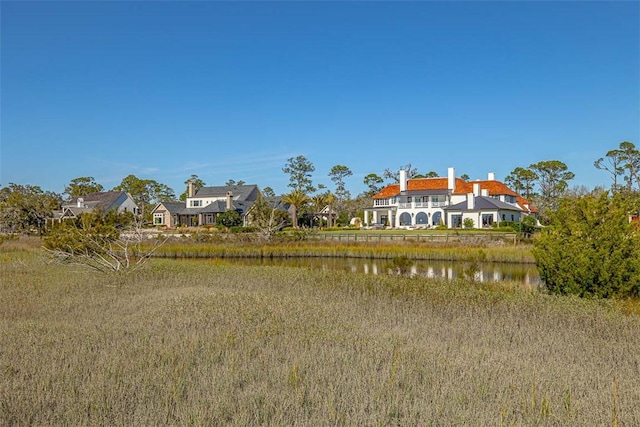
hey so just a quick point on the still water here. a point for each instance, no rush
(526, 274)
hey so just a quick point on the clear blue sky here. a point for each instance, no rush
(231, 90)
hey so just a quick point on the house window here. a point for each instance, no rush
(456, 220)
(437, 201)
(436, 219)
(422, 218)
(158, 219)
(195, 203)
(487, 220)
(405, 219)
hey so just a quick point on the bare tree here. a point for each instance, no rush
(96, 242)
(395, 175)
(268, 215)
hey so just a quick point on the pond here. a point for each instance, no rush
(526, 274)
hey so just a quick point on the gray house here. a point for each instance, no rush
(201, 208)
(104, 200)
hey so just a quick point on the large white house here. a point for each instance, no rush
(430, 202)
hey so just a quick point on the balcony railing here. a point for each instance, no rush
(411, 205)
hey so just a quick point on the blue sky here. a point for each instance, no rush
(231, 90)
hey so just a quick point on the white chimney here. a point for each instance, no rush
(491, 176)
(484, 192)
(192, 187)
(471, 201)
(476, 188)
(229, 197)
(451, 179)
(403, 180)
(80, 202)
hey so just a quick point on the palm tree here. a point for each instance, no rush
(331, 199)
(319, 202)
(297, 199)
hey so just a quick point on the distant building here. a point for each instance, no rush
(430, 202)
(203, 207)
(119, 201)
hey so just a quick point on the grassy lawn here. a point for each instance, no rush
(206, 343)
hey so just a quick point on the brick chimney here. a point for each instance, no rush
(191, 189)
(229, 198)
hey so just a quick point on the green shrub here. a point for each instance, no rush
(229, 219)
(590, 248)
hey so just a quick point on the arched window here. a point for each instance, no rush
(405, 219)
(436, 219)
(422, 218)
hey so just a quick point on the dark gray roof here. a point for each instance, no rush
(73, 211)
(103, 199)
(239, 192)
(483, 203)
(218, 206)
(173, 207)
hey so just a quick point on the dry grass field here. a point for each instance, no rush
(207, 343)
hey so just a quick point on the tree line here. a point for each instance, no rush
(589, 244)
(545, 183)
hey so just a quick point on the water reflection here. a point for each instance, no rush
(526, 274)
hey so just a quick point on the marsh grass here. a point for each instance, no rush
(192, 343)
(370, 250)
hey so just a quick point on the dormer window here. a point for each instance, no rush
(195, 203)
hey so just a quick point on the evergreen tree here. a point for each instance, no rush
(591, 248)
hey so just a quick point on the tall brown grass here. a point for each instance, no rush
(188, 248)
(204, 343)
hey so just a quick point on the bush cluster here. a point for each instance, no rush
(590, 248)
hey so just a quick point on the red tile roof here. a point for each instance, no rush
(462, 187)
(417, 184)
(494, 187)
